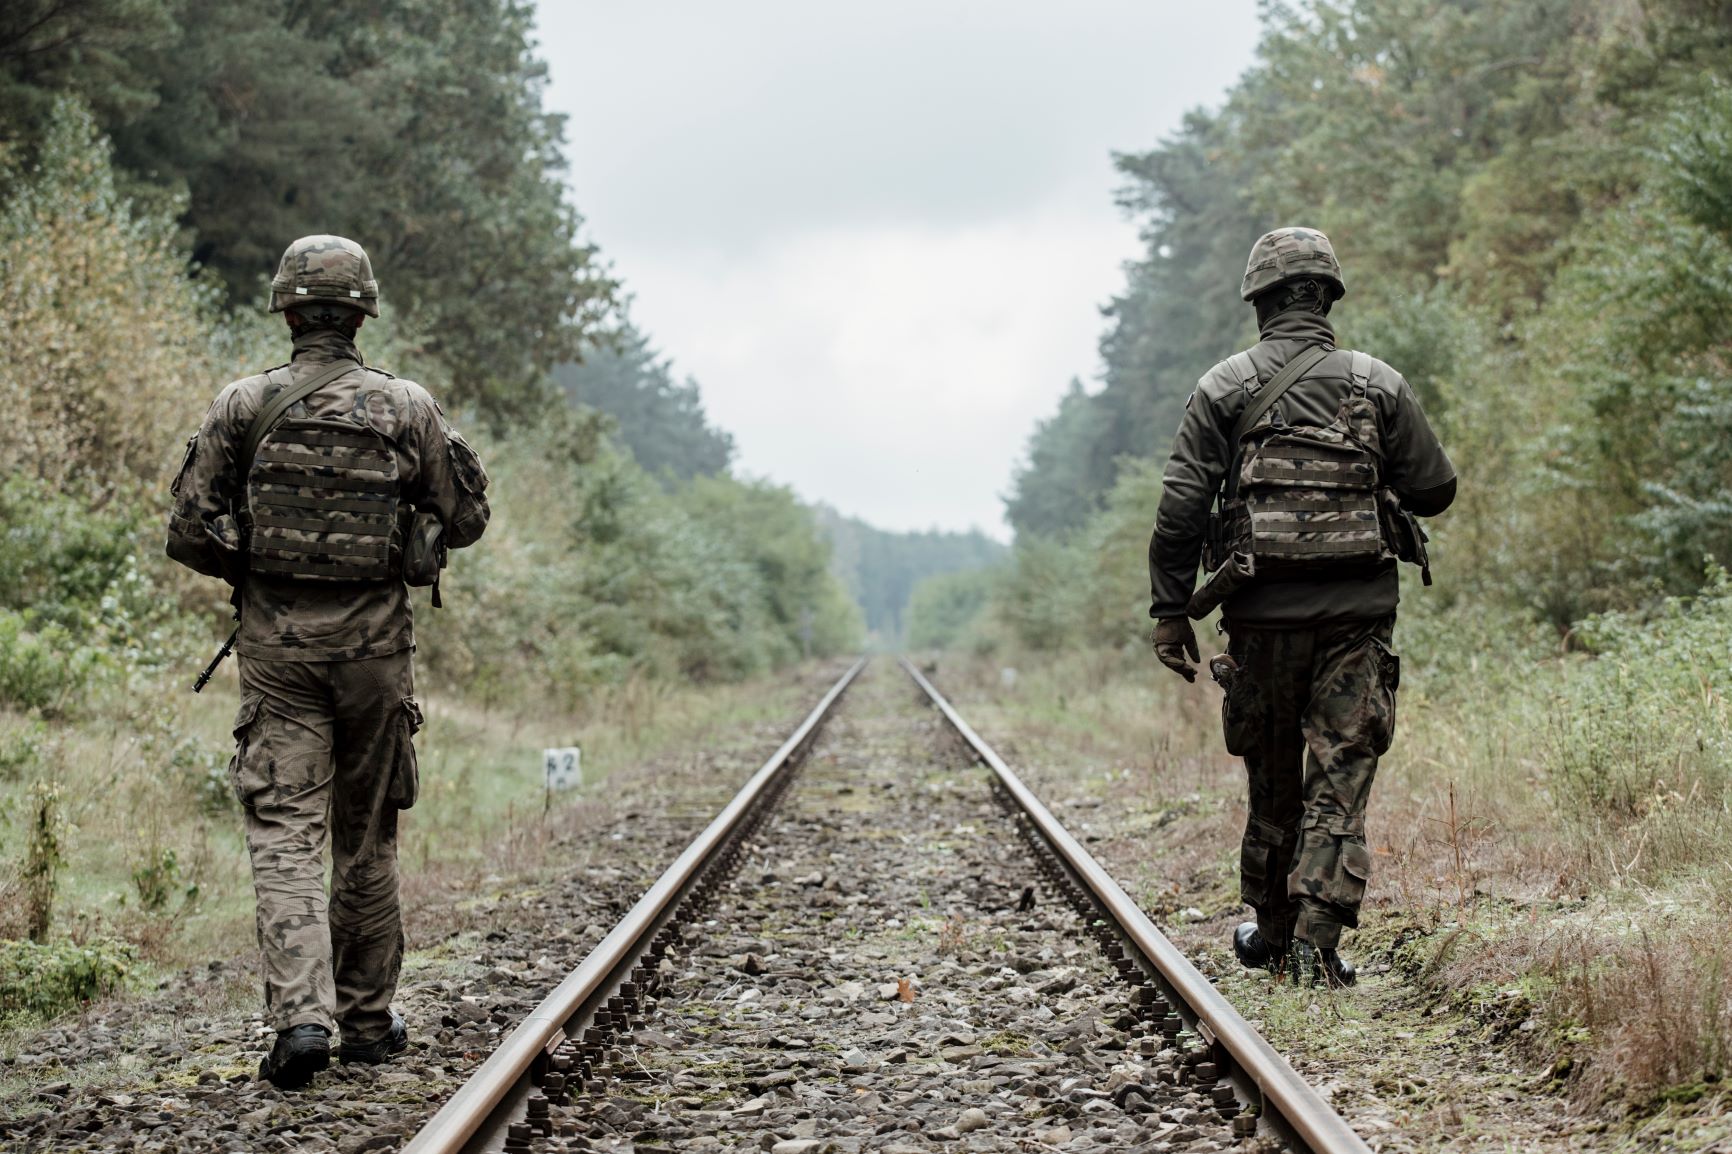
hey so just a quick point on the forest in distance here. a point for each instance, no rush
(1532, 201)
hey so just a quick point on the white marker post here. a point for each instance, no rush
(564, 767)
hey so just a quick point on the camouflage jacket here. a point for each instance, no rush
(289, 620)
(1413, 462)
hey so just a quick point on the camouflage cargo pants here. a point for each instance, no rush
(1310, 711)
(323, 753)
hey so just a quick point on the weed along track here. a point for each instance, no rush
(884, 952)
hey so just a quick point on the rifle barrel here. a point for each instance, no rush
(209, 670)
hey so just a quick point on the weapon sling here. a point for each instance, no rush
(256, 433)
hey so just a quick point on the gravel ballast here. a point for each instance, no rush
(879, 975)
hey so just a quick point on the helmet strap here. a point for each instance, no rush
(1306, 294)
(325, 316)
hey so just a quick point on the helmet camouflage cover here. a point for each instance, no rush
(325, 269)
(1288, 254)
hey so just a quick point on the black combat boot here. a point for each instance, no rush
(298, 1053)
(1336, 970)
(1254, 950)
(1322, 966)
(395, 1041)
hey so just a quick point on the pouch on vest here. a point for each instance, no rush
(322, 498)
(424, 553)
(1307, 501)
(1405, 535)
(1235, 573)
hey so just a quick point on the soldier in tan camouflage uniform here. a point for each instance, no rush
(353, 492)
(1309, 674)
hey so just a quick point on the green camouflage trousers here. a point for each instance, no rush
(323, 753)
(1310, 711)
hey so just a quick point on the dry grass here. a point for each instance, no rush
(1657, 1007)
(131, 771)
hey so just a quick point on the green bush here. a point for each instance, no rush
(60, 557)
(41, 669)
(21, 751)
(594, 572)
(1093, 587)
(1644, 725)
(157, 880)
(75, 571)
(1041, 600)
(106, 342)
(45, 980)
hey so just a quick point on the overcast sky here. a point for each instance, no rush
(877, 234)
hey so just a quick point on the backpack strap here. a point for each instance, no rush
(270, 414)
(1254, 410)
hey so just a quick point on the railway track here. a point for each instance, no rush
(820, 967)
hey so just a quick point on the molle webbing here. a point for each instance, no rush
(323, 496)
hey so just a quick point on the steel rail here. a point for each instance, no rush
(502, 1081)
(1297, 1109)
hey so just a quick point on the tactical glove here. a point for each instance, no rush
(1174, 638)
(228, 547)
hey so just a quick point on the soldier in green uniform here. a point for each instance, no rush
(1295, 475)
(320, 490)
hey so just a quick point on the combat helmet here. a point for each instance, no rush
(1288, 254)
(328, 270)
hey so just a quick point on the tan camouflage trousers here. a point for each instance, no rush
(323, 754)
(1310, 711)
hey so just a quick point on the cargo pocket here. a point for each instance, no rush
(1391, 665)
(406, 774)
(1355, 872)
(1254, 867)
(1241, 713)
(1382, 707)
(245, 778)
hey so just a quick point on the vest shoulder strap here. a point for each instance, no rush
(1359, 366)
(1302, 363)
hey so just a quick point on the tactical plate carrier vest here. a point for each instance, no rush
(1301, 501)
(323, 500)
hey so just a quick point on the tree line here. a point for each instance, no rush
(415, 124)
